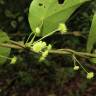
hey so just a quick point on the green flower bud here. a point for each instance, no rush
(90, 75)
(38, 31)
(42, 59)
(76, 68)
(38, 46)
(49, 47)
(13, 60)
(45, 53)
(62, 28)
(44, 45)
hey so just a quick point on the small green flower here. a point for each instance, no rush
(49, 47)
(62, 28)
(38, 46)
(13, 60)
(44, 45)
(45, 53)
(90, 75)
(38, 31)
(76, 68)
(41, 59)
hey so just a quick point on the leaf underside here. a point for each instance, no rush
(92, 35)
(47, 14)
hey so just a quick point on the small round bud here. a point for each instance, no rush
(44, 45)
(76, 68)
(62, 28)
(38, 31)
(90, 75)
(13, 60)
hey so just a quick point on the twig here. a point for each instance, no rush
(18, 44)
(10, 46)
(70, 52)
(65, 51)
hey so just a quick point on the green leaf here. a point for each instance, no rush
(3, 51)
(92, 35)
(47, 14)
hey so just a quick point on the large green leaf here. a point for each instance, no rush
(3, 51)
(92, 35)
(49, 13)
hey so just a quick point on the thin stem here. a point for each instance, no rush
(80, 64)
(10, 46)
(70, 51)
(32, 40)
(18, 44)
(74, 61)
(59, 52)
(46, 35)
(28, 37)
(32, 33)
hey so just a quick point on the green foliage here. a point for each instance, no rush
(92, 35)
(4, 52)
(47, 14)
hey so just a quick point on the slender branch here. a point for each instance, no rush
(10, 46)
(59, 52)
(18, 44)
(70, 52)
(65, 51)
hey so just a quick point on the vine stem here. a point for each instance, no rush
(16, 45)
(12, 44)
(70, 52)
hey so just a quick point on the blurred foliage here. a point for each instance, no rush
(14, 15)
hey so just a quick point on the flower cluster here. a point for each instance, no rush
(38, 46)
(41, 47)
